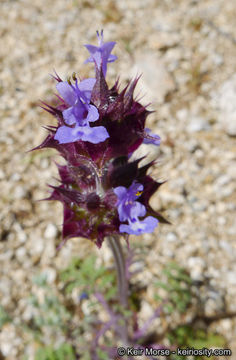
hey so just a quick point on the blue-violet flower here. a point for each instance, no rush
(129, 209)
(101, 54)
(79, 114)
(151, 138)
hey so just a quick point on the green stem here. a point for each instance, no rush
(116, 249)
(123, 288)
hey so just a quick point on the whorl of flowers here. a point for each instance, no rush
(102, 191)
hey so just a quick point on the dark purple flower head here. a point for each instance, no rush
(102, 191)
(101, 54)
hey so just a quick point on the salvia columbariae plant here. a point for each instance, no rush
(104, 193)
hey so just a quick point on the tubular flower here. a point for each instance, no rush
(101, 54)
(151, 138)
(129, 209)
(102, 191)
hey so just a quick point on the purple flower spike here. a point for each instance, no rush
(80, 114)
(101, 54)
(130, 209)
(103, 192)
(150, 138)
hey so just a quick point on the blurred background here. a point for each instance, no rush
(186, 53)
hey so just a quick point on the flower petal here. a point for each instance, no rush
(69, 116)
(67, 135)
(137, 209)
(95, 134)
(101, 54)
(124, 211)
(150, 223)
(151, 138)
(112, 58)
(66, 92)
(135, 189)
(93, 113)
(120, 192)
(107, 49)
(139, 227)
(96, 54)
(86, 86)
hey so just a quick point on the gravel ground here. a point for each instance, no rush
(186, 51)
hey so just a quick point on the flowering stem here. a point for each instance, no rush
(120, 264)
(116, 248)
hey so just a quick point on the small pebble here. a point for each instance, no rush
(50, 231)
(197, 124)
